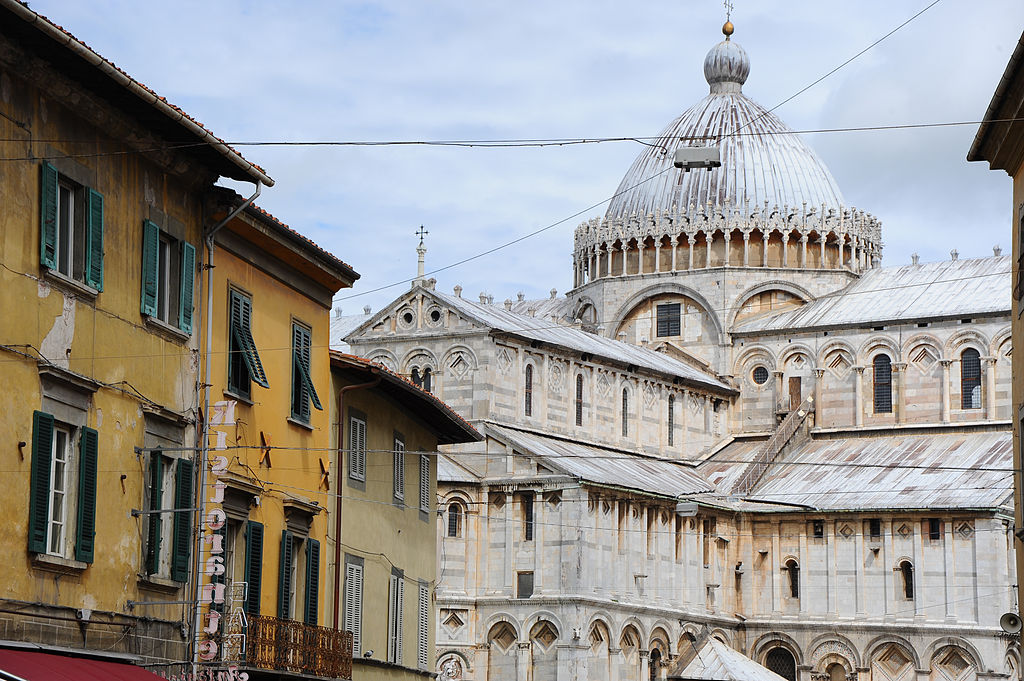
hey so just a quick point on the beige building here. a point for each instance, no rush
(736, 422)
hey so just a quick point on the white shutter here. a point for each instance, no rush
(392, 616)
(354, 605)
(357, 449)
(422, 629)
(424, 483)
(400, 609)
(399, 455)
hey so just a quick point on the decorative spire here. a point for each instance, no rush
(421, 251)
(727, 27)
(726, 65)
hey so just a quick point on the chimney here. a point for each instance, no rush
(490, 300)
(508, 304)
(553, 292)
(915, 259)
(337, 312)
(520, 296)
(997, 250)
(366, 309)
(954, 254)
(458, 291)
(531, 311)
(483, 298)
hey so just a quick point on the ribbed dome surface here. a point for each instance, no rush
(765, 161)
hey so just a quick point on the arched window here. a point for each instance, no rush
(655, 665)
(415, 376)
(794, 578)
(782, 662)
(671, 418)
(579, 399)
(907, 570)
(426, 379)
(970, 379)
(883, 384)
(528, 406)
(454, 520)
(625, 412)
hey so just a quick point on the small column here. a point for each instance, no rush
(689, 241)
(523, 660)
(610, 247)
(988, 397)
(858, 399)
(614, 660)
(803, 250)
(776, 391)
(645, 664)
(899, 370)
(708, 240)
(639, 256)
(842, 245)
(945, 389)
(949, 566)
(785, 250)
(764, 252)
(822, 241)
(746, 249)
(625, 250)
(728, 250)
(657, 257)
(819, 380)
(675, 245)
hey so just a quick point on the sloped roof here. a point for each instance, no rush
(715, 661)
(605, 466)
(917, 469)
(343, 326)
(448, 470)
(994, 141)
(947, 289)
(529, 328)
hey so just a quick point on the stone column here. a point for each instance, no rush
(639, 256)
(608, 271)
(785, 250)
(776, 564)
(746, 249)
(988, 397)
(614, 660)
(538, 542)
(776, 392)
(510, 546)
(625, 250)
(819, 380)
(675, 246)
(803, 251)
(523, 660)
(708, 240)
(728, 250)
(899, 370)
(645, 664)
(822, 240)
(842, 238)
(944, 405)
(764, 252)
(657, 256)
(858, 396)
(949, 576)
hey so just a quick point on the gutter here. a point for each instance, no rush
(125, 81)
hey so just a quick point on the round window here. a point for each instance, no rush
(760, 375)
(435, 316)
(407, 318)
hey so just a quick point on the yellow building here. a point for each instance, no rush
(270, 429)
(388, 431)
(105, 189)
(1000, 141)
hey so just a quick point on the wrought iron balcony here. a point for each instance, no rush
(287, 645)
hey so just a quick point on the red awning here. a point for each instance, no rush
(36, 666)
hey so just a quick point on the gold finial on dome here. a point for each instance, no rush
(727, 29)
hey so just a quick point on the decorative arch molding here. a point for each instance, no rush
(754, 353)
(967, 338)
(659, 633)
(450, 653)
(582, 303)
(1011, 661)
(876, 344)
(408, 362)
(503, 617)
(722, 635)
(879, 643)
(794, 349)
(776, 639)
(922, 339)
(836, 345)
(463, 351)
(998, 340)
(658, 289)
(385, 358)
(457, 496)
(939, 645)
(833, 644)
(763, 287)
(634, 623)
(539, 616)
(599, 620)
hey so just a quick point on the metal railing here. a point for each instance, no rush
(770, 450)
(287, 645)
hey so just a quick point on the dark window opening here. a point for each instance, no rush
(760, 375)
(524, 584)
(528, 516)
(907, 570)
(794, 578)
(970, 379)
(528, 406)
(625, 413)
(668, 319)
(671, 419)
(579, 400)
(883, 384)
(427, 376)
(782, 662)
(454, 520)
(819, 529)
(934, 529)
(875, 528)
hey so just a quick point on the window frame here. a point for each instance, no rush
(168, 278)
(303, 392)
(669, 319)
(243, 355)
(881, 383)
(625, 412)
(971, 379)
(398, 469)
(353, 602)
(77, 240)
(671, 420)
(396, 615)
(357, 447)
(528, 390)
(455, 515)
(529, 501)
(424, 481)
(906, 570)
(423, 612)
(579, 400)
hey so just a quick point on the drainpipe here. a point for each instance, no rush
(337, 503)
(204, 442)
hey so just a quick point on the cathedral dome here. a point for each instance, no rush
(763, 161)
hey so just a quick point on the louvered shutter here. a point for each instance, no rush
(39, 493)
(241, 328)
(150, 266)
(156, 493)
(399, 466)
(424, 483)
(188, 272)
(303, 383)
(392, 617)
(94, 236)
(399, 621)
(357, 449)
(48, 217)
(253, 566)
(183, 498)
(85, 541)
(312, 580)
(423, 628)
(354, 605)
(284, 582)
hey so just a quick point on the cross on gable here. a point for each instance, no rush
(421, 233)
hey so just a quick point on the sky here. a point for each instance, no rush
(417, 70)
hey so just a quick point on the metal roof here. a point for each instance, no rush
(715, 661)
(910, 470)
(450, 471)
(547, 331)
(951, 288)
(605, 466)
(763, 161)
(343, 326)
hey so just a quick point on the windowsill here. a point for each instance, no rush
(63, 281)
(64, 566)
(157, 583)
(239, 398)
(165, 329)
(301, 424)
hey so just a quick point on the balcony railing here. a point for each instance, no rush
(286, 645)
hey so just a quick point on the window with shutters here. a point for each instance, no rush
(71, 229)
(671, 420)
(357, 446)
(625, 412)
(253, 567)
(396, 615)
(528, 389)
(527, 501)
(168, 278)
(244, 365)
(62, 511)
(579, 399)
(353, 602)
(668, 319)
(425, 500)
(398, 466)
(423, 627)
(970, 379)
(303, 392)
(298, 578)
(882, 370)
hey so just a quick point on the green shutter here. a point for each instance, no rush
(284, 582)
(156, 502)
(150, 266)
(253, 566)
(312, 580)
(182, 521)
(188, 272)
(241, 329)
(304, 391)
(94, 234)
(85, 541)
(39, 495)
(221, 578)
(48, 217)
